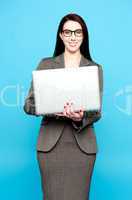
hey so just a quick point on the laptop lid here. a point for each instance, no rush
(54, 87)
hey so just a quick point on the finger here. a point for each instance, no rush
(64, 111)
(71, 111)
(59, 114)
(71, 108)
(78, 114)
(74, 114)
(68, 108)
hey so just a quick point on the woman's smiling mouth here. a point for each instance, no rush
(72, 44)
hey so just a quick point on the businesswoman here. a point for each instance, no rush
(66, 145)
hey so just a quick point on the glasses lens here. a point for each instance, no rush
(78, 32)
(67, 33)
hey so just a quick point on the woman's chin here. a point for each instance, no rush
(73, 50)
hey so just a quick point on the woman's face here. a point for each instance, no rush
(72, 40)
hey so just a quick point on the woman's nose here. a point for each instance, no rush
(73, 35)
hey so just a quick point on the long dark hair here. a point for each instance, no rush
(84, 48)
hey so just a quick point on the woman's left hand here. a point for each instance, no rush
(70, 113)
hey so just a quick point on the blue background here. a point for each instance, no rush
(28, 33)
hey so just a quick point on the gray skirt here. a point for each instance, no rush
(66, 171)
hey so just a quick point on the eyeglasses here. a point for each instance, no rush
(77, 32)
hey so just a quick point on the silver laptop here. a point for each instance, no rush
(54, 87)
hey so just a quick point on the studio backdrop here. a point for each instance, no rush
(27, 34)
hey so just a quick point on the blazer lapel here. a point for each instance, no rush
(59, 61)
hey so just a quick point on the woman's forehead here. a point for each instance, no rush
(72, 25)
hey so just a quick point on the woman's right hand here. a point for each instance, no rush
(64, 111)
(69, 112)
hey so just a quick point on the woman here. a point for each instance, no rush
(66, 147)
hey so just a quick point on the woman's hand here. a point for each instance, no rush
(69, 112)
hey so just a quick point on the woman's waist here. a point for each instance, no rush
(47, 119)
(67, 120)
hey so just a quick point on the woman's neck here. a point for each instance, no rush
(72, 59)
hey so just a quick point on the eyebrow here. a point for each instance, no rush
(72, 30)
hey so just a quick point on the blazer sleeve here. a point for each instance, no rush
(90, 117)
(29, 104)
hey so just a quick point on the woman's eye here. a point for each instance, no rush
(79, 31)
(67, 32)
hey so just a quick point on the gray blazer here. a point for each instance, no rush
(52, 126)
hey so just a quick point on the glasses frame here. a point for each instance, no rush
(72, 32)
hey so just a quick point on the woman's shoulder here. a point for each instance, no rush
(90, 62)
(45, 63)
(47, 60)
(95, 63)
